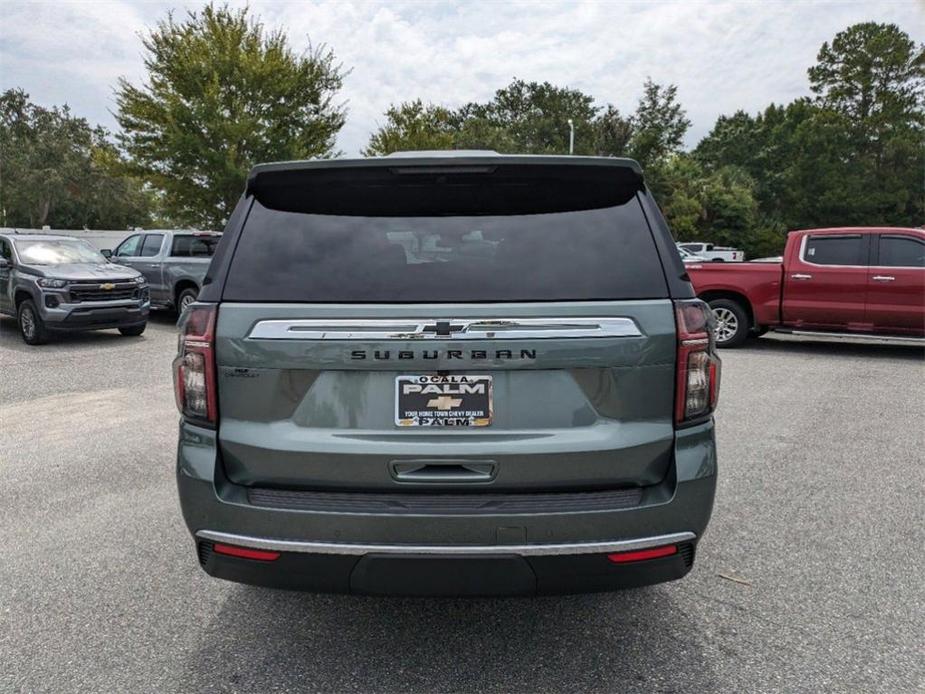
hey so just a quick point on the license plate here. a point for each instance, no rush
(447, 401)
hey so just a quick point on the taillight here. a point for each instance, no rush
(194, 366)
(697, 390)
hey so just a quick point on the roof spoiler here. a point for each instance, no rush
(460, 162)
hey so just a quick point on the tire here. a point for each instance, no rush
(732, 325)
(185, 298)
(134, 330)
(31, 326)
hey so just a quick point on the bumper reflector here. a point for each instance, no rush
(245, 552)
(640, 554)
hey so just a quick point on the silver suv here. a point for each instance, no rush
(447, 374)
(60, 283)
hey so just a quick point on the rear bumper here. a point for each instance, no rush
(435, 571)
(427, 552)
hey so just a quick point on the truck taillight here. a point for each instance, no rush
(194, 367)
(698, 369)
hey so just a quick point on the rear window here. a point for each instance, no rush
(190, 246)
(901, 251)
(568, 255)
(834, 250)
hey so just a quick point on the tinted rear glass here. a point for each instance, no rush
(901, 251)
(585, 254)
(194, 246)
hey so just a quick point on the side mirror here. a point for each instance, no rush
(4, 263)
(106, 253)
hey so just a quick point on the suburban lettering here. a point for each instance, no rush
(432, 354)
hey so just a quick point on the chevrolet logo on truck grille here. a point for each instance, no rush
(107, 286)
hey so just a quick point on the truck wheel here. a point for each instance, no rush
(133, 330)
(187, 296)
(731, 322)
(31, 325)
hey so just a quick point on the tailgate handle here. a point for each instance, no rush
(443, 471)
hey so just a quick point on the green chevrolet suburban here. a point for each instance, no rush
(447, 373)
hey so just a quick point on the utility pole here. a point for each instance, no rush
(571, 136)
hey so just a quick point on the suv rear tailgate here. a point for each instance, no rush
(568, 413)
(435, 253)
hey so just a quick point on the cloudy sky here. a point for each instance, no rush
(722, 56)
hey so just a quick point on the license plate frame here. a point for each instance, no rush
(465, 400)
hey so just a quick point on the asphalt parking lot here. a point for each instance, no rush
(809, 578)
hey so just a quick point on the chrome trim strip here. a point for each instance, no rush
(521, 550)
(476, 329)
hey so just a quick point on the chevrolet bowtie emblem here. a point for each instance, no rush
(444, 402)
(107, 286)
(443, 328)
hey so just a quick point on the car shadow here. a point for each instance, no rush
(163, 317)
(833, 347)
(263, 640)
(11, 339)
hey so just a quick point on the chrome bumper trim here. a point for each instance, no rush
(522, 550)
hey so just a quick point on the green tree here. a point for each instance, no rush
(480, 133)
(873, 76)
(522, 118)
(851, 155)
(659, 125)
(717, 206)
(56, 169)
(223, 94)
(535, 116)
(413, 126)
(871, 72)
(612, 133)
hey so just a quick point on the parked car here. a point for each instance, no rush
(716, 254)
(455, 374)
(851, 281)
(58, 283)
(688, 257)
(174, 262)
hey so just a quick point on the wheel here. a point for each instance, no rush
(31, 326)
(133, 330)
(187, 296)
(731, 322)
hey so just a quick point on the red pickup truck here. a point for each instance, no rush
(856, 281)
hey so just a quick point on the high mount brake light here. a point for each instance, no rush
(698, 366)
(194, 367)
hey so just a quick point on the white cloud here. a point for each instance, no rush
(722, 56)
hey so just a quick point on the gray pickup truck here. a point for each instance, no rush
(174, 263)
(59, 283)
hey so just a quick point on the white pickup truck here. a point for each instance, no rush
(713, 253)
